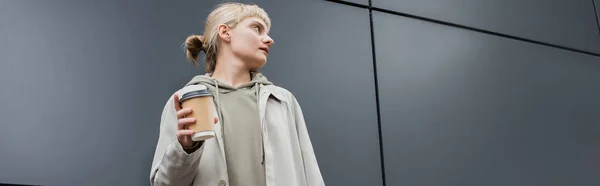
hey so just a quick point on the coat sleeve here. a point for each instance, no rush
(171, 164)
(311, 167)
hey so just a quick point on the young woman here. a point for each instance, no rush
(261, 138)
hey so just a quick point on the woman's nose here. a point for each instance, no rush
(268, 40)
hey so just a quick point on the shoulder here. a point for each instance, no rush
(280, 93)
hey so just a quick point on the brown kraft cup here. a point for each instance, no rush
(200, 100)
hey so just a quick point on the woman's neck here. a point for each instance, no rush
(231, 72)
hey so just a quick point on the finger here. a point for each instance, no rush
(183, 112)
(176, 102)
(183, 133)
(185, 121)
(216, 120)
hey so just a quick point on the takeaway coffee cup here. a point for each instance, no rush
(200, 100)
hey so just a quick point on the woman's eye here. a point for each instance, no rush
(256, 27)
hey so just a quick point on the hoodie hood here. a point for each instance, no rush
(216, 87)
(257, 78)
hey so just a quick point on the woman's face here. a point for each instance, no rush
(250, 42)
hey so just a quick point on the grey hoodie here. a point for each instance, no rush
(237, 108)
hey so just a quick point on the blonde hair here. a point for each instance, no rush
(230, 14)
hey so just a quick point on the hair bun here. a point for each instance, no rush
(193, 47)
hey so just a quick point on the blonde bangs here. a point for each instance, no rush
(248, 11)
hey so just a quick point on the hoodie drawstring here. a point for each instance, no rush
(220, 114)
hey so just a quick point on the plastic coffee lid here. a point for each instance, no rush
(192, 91)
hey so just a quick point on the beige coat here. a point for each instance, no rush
(289, 155)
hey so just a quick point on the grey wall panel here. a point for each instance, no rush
(465, 108)
(362, 2)
(597, 5)
(323, 56)
(83, 84)
(561, 22)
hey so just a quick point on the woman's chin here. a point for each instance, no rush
(257, 64)
(260, 62)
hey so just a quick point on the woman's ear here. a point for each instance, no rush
(224, 32)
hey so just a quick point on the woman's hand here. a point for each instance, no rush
(184, 135)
